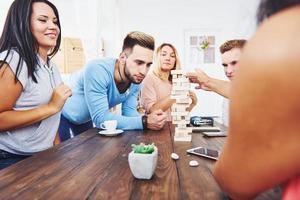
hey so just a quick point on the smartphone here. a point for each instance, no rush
(205, 152)
(215, 134)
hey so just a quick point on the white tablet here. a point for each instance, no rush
(205, 152)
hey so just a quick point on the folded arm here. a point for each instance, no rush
(10, 91)
(149, 97)
(96, 85)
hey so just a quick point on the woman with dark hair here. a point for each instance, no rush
(31, 90)
(263, 146)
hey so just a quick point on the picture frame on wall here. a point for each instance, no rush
(201, 50)
(201, 47)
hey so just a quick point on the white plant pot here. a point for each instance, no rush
(141, 165)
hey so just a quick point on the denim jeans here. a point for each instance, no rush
(7, 159)
(67, 129)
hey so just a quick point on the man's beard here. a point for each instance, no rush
(129, 76)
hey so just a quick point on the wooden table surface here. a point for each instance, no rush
(91, 166)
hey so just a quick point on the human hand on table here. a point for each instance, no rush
(156, 120)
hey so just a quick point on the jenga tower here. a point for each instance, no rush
(180, 117)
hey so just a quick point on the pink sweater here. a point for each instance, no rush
(153, 90)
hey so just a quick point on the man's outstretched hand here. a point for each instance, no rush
(200, 78)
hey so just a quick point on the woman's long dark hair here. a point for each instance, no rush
(270, 7)
(17, 35)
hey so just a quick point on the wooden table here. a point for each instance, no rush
(91, 166)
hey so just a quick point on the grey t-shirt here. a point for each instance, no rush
(38, 136)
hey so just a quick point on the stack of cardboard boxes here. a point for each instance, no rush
(70, 56)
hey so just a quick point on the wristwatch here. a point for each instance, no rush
(144, 121)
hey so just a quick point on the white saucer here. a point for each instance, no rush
(111, 133)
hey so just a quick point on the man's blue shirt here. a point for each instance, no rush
(95, 92)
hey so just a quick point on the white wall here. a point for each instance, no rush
(104, 23)
(4, 6)
(94, 21)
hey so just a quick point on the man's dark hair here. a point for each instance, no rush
(231, 44)
(138, 38)
(270, 7)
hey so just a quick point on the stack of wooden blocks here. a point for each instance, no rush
(181, 117)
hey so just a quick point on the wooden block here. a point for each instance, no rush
(180, 118)
(176, 118)
(181, 126)
(181, 72)
(188, 118)
(175, 84)
(183, 130)
(185, 113)
(182, 138)
(179, 108)
(183, 101)
(183, 84)
(180, 80)
(180, 92)
(185, 93)
(178, 97)
(180, 122)
(181, 88)
(186, 85)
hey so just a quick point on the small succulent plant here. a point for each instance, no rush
(143, 148)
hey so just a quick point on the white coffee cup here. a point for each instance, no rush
(109, 125)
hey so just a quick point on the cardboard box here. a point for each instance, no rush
(70, 57)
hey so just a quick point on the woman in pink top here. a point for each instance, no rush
(263, 144)
(157, 86)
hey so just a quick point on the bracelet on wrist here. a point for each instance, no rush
(144, 121)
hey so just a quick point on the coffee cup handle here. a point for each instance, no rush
(102, 126)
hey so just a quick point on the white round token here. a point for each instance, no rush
(193, 163)
(174, 156)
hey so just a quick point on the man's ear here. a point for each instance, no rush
(122, 56)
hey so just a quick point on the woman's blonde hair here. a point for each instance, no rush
(157, 65)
